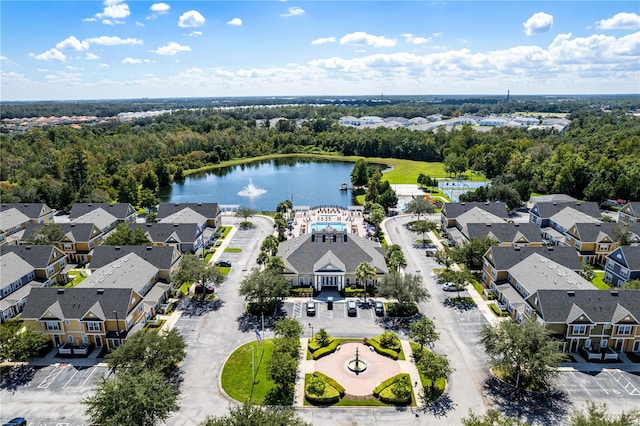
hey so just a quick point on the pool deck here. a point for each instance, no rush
(353, 220)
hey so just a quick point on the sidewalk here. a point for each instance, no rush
(306, 367)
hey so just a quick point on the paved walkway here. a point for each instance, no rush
(379, 369)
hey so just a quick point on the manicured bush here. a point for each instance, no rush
(326, 350)
(401, 309)
(497, 311)
(337, 386)
(389, 340)
(390, 381)
(382, 351)
(314, 384)
(398, 393)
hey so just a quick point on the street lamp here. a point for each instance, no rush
(310, 326)
(118, 327)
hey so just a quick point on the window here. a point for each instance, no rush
(93, 326)
(579, 329)
(70, 338)
(52, 325)
(85, 339)
(604, 343)
(624, 330)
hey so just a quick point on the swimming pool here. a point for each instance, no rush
(320, 226)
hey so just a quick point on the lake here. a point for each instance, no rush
(262, 185)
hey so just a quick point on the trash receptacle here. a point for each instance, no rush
(330, 303)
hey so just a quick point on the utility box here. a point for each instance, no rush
(330, 303)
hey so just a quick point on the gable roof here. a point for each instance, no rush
(308, 251)
(74, 303)
(31, 210)
(453, 210)
(506, 232)
(632, 208)
(160, 257)
(478, 215)
(599, 305)
(12, 268)
(548, 209)
(99, 217)
(73, 231)
(504, 258)
(36, 256)
(186, 215)
(538, 272)
(130, 271)
(208, 210)
(593, 232)
(119, 210)
(628, 256)
(11, 218)
(177, 232)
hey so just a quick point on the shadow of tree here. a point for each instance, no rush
(547, 408)
(200, 307)
(438, 408)
(18, 376)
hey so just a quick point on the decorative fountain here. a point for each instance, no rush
(251, 190)
(357, 365)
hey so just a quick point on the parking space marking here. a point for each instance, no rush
(70, 378)
(88, 377)
(297, 310)
(571, 374)
(620, 379)
(598, 383)
(52, 376)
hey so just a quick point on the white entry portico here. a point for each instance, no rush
(329, 271)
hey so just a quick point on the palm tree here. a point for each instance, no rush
(365, 271)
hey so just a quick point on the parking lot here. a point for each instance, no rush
(615, 387)
(50, 395)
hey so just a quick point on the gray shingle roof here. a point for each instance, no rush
(130, 271)
(599, 305)
(506, 232)
(73, 231)
(73, 303)
(591, 232)
(505, 257)
(32, 210)
(548, 209)
(302, 254)
(12, 268)
(453, 210)
(160, 257)
(37, 256)
(11, 218)
(631, 255)
(119, 210)
(208, 210)
(161, 232)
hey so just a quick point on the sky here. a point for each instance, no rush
(119, 49)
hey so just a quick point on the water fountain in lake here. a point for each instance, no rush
(357, 365)
(251, 190)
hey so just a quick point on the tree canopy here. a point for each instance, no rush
(253, 415)
(524, 354)
(263, 287)
(17, 344)
(405, 288)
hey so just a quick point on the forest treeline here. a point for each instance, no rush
(597, 157)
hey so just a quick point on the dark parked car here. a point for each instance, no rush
(379, 309)
(18, 421)
(224, 263)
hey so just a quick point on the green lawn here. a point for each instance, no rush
(598, 281)
(232, 250)
(184, 288)
(236, 373)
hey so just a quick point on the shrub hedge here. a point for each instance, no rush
(330, 396)
(329, 349)
(337, 386)
(390, 381)
(382, 351)
(497, 311)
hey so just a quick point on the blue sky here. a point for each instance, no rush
(57, 50)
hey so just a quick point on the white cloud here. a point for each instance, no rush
(113, 41)
(539, 22)
(235, 21)
(437, 34)
(171, 49)
(294, 11)
(3, 58)
(192, 18)
(620, 21)
(71, 68)
(411, 39)
(112, 22)
(130, 60)
(160, 8)
(72, 43)
(323, 40)
(51, 55)
(194, 34)
(364, 39)
(139, 24)
(114, 10)
(91, 56)
(104, 66)
(92, 19)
